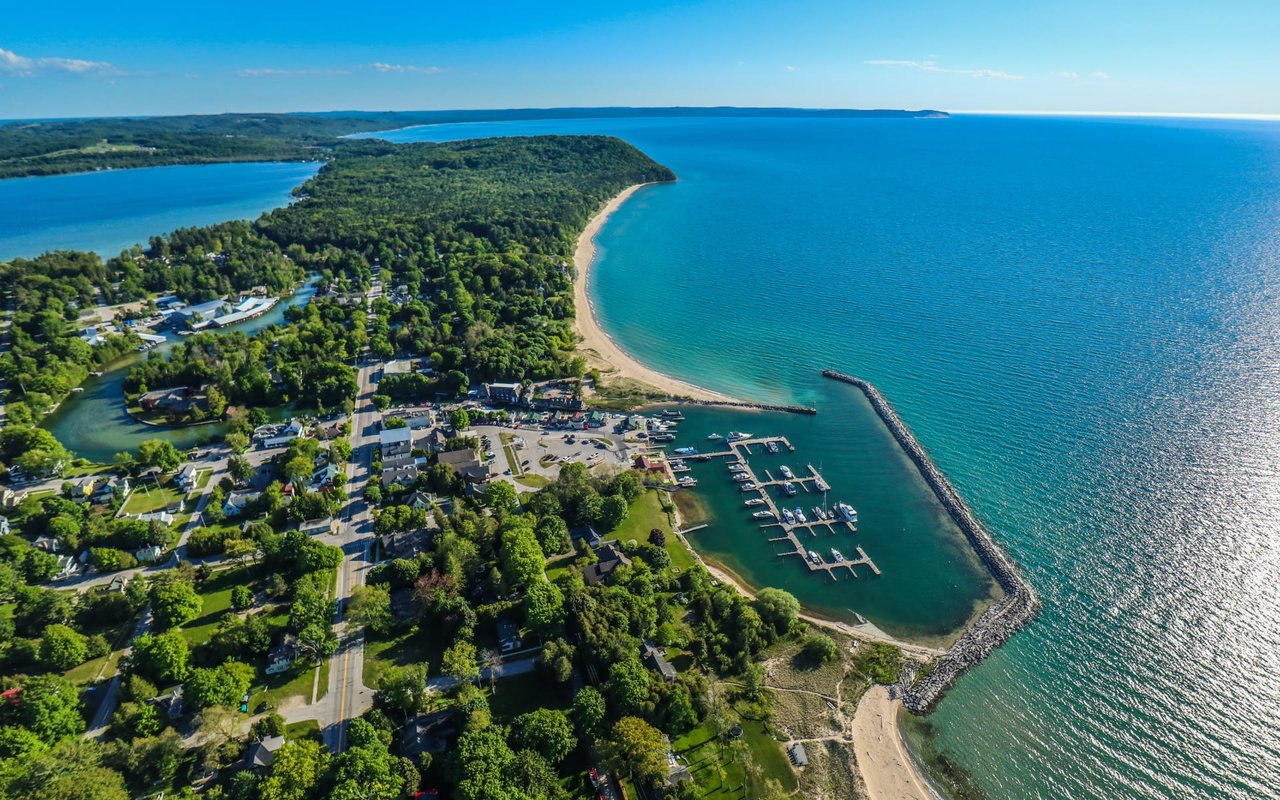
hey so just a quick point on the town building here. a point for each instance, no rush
(610, 557)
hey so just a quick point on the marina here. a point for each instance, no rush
(791, 523)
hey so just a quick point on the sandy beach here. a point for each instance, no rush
(887, 770)
(601, 351)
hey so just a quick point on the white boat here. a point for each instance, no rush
(681, 468)
(714, 437)
(755, 501)
(814, 557)
(786, 472)
(737, 466)
(800, 517)
(846, 512)
(676, 462)
(735, 436)
(837, 555)
(687, 481)
(748, 486)
(766, 514)
(788, 517)
(818, 513)
(741, 477)
(789, 489)
(820, 485)
(686, 451)
(772, 447)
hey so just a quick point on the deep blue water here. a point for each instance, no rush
(107, 212)
(1080, 319)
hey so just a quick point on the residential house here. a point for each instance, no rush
(281, 435)
(610, 557)
(237, 502)
(105, 490)
(45, 543)
(82, 490)
(465, 463)
(4, 526)
(429, 733)
(324, 476)
(509, 639)
(404, 476)
(118, 584)
(407, 544)
(397, 446)
(262, 754)
(159, 516)
(282, 656)
(149, 555)
(655, 660)
(175, 399)
(419, 500)
(319, 526)
(435, 441)
(186, 477)
(67, 567)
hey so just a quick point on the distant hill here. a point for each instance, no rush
(51, 147)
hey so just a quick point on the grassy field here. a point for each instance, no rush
(513, 458)
(297, 681)
(399, 649)
(306, 729)
(646, 514)
(767, 752)
(714, 770)
(520, 694)
(216, 593)
(533, 481)
(146, 497)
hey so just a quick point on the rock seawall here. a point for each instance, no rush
(754, 406)
(997, 623)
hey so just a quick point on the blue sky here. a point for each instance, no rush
(84, 59)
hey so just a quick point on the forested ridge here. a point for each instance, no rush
(51, 147)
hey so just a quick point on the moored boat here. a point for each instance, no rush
(786, 472)
(766, 514)
(846, 512)
(686, 451)
(755, 501)
(735, 436)
(820, 485)
(772, 447)
(837, 555)
(789, 489)
(814, 557)
(800, 517)
(741, 477)
(788, 517)
(748, 486)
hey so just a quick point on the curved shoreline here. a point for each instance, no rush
(597, 345)
(999, 622)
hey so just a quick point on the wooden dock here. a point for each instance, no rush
(791, 532)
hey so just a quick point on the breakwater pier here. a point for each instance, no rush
(784, 526)
(999, 622)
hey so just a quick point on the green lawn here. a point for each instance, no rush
(399, 649)
(714, 770)
(202, 478)
(146, 497)
(513, 457)
(767, 752)
(306, 729)
(297, 681)
(520, 694)
(90, 468)
(216, 593)
(646, 514)
(533, 480)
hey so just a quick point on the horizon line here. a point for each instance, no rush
(1143, 114)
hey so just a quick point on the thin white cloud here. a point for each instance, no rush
(1102, 76)
(270, 72)
(13, 64)
(932, 66)
(384, 67)
(790, 68)
(1067, 74)
(1072, 75)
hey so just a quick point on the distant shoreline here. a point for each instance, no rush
(599, 348)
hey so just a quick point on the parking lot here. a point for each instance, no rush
(546, 451)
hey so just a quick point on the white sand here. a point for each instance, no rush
(887, 770)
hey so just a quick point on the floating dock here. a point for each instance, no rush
(739, 450)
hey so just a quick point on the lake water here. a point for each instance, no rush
(1079, 319)
(107, 212)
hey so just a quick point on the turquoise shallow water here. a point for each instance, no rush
(1079, 319)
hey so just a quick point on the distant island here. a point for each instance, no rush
(54, 147)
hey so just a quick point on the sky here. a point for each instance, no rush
(73, 58)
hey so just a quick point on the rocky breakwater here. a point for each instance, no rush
(810, 410)
(999, 622)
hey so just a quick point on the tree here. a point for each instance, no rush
(217, 686)
(50, 708)
(62, 648)
(403, 689)
(500, 496)
(820, 649)
(778, 610)
(628, 685)
(71, 770)
(134, 720)
(39, 566)
(545, 731)
(557, 658)
(482, 767)
(880, 662)
(241, 597)
(460, 662)
(154, 759)
(588, 712)
(657, 537)
(553, 533)
(237, 441)
(159, 453)
(340, 450)
(370, 607)
(240, 468)
(163, 657)
(638, 749)
(219, 732)
(174, 601)
(296, 771)
(366, 771)
(613, 510)
(544, 606)
(460, 419)
(317, 641)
